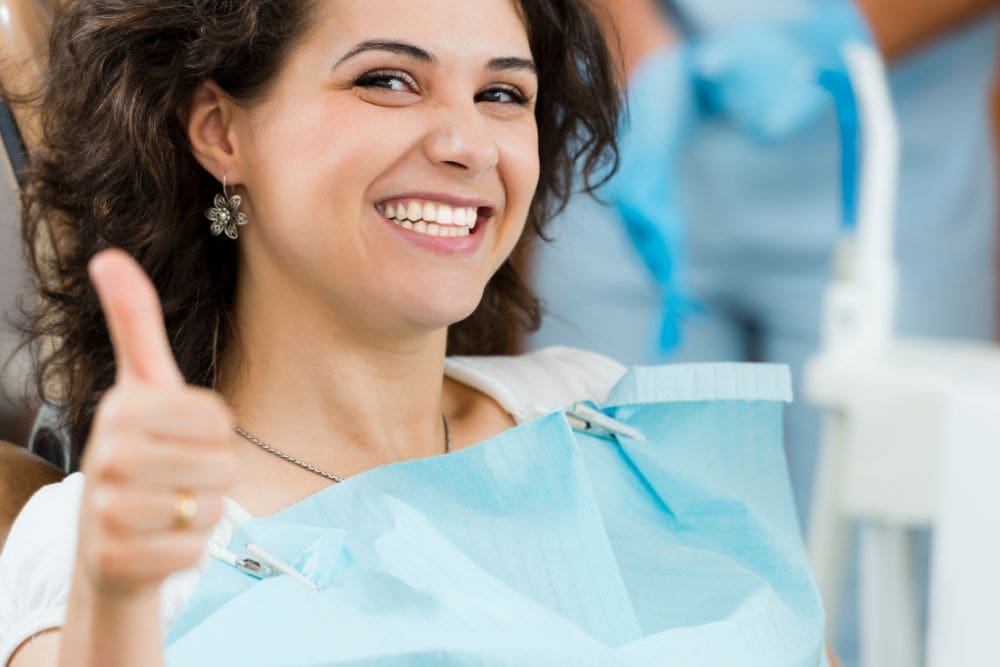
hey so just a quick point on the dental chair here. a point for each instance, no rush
(24, 29)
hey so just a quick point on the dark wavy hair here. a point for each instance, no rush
(116, 169)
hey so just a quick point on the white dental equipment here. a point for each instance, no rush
(908, 428)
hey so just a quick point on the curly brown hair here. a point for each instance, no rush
(116, 170)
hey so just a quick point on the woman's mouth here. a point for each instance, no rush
(434, 218)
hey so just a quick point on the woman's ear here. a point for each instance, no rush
(209, 124)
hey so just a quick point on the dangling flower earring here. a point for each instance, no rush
(225, 215)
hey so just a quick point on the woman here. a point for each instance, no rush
(371, 171)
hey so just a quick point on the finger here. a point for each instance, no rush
(146, 511)
(173, 465)
(145, 462)
(189, 414)
(135, 320)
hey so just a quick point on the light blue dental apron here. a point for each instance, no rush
(543, 546)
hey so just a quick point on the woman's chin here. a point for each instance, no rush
(440, 309)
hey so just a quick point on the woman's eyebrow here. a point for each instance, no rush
(417, 53)
(401, 48)
(511, 62)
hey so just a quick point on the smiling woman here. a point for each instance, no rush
(286, 238)
(353, 103)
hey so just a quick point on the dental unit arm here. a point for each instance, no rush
(860, 303)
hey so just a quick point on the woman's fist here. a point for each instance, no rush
(159, 458)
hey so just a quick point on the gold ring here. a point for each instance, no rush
(185, 509)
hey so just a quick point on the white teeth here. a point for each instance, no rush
(433, 229)
(414, 211)
(430, 212)
(445, 215)
(432, 218)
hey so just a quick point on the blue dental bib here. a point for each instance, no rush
(542, 546)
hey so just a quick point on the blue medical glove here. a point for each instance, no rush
(765, 74)
(660, 118)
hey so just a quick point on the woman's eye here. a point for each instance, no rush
(503, 95)
(387, 80)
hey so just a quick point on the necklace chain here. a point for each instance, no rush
(311, 468)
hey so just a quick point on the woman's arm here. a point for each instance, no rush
(110, 630)
(158, 461)
(42, 650)
(635, 29)
(903, 26)
(101, 632)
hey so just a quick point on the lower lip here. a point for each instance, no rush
(444, 245)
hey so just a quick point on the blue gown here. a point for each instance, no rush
(543, 546)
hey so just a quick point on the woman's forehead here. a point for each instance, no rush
(466, 29)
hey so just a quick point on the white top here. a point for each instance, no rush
(37, 562)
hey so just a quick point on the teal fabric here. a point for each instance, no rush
(764, 74)
(661, 114)
(543, 546)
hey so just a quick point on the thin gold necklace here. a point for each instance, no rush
(311, 468)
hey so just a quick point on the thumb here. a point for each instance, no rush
(135, 320)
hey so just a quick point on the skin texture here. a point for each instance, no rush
(343, 322)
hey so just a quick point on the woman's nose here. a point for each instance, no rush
(464, 140)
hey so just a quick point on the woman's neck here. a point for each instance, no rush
(315, 394)
(339, 400)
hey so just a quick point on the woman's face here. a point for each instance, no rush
(389, 171)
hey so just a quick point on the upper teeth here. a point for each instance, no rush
(416, 210)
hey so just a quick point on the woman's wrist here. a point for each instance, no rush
(111, 627)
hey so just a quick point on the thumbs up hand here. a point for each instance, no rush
(159, 457)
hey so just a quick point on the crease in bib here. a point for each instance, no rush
(542, 546)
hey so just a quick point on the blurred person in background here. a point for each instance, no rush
(717, 238)
(728, 204)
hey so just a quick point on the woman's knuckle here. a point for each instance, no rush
(115, 410)
(98, 461)
(114, 463)
(103, 507)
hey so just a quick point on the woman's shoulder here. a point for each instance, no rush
(36, 563)
(544, 379)
(49, 509)
(21, 475)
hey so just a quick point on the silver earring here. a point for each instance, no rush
(225, 215)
